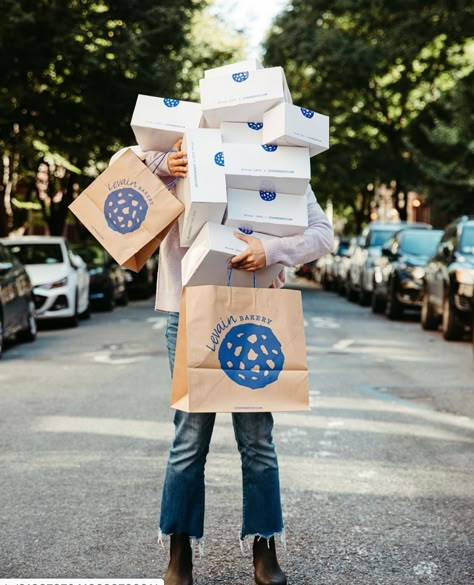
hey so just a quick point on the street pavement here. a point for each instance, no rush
(377, 480)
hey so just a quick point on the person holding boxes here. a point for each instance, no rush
(182, 505)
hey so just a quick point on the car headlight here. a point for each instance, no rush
(418, 272)
(55, 284)
(465, 275)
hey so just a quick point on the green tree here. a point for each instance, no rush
(69, 84)
(373, 67)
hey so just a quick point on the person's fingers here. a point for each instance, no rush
(243, 237)
(177, 145)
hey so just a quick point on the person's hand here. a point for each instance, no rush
(178, 161)
(251, 259)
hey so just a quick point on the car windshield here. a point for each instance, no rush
(420, 242)
(377, 238)
(466, 244)
(342, 248)
(92, 256)
(38, 253)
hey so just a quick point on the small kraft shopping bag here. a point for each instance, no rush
(240, 350)
(128, 209)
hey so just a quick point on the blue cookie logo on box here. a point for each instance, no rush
(268, 195)
(246, 231)
(307, 113)
(255, 125)
(125, 210)
(251, 356)
(240, 77)
(269, 147)
(219, 159)
(170, 103)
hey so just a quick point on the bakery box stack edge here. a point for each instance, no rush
(249, 152)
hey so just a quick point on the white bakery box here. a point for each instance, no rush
(159, 122)
(242, 96)
(266, 167)
(246, 65)
(203, 192)
(207, 260)
(277, 214)
(289, 125)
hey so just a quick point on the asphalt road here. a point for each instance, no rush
(377, 480)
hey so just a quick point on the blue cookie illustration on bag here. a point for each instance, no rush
(170, 103)
(219, 159)
(307, 113)
(246, 231)
(241, 76)
(125, 210)
(255, 125)
(268, 195)
(269, 147)
(251, 356)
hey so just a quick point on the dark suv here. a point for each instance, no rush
(449, 281)
(399, 273)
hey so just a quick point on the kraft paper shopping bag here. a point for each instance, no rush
(240, 350)
(128, 210)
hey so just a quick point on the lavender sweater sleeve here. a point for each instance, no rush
(157, 161)
(316, 241)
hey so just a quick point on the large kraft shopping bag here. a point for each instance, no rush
(240, 350)
(128, 210)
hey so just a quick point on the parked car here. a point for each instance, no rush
(59, 277)
(399, 273)
(107, 278)
(142, 284)
(449, 281)
(307, 270)
(343, 267)
(361, 272)
(17, 308)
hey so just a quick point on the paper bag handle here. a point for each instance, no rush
(161, 158)
(229, 275)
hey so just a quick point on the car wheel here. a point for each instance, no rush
(351, 292)
(365, 297)
(123, 300)
(377, 303)
(1, 335)
(451, 326)
(30, 331)
(393, 307)
(87, 313)
(108, 303)
(429, 321)
(74, 320)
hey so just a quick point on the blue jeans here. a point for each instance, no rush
(182, 505)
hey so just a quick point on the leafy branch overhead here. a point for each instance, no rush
(375, 68)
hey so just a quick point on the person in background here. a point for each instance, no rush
(182, 504)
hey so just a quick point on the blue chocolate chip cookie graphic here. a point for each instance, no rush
(255, 125)
(268, 195)
(125, 210)
(240, 77)
(170, 103)
(269, 147)
(246, 231)
(251, 356)
(307, 113)
(219, 159)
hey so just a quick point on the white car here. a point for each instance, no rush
(59, 277)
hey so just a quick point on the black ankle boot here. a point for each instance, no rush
(180, 569)
(267, 569)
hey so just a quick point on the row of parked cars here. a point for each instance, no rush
(45, 278)
(394, 267)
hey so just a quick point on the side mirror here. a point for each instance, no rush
(5, 267)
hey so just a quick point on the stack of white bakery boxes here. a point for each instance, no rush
(249, 155)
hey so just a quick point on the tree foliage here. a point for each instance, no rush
(69, 85)
(374, 67)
